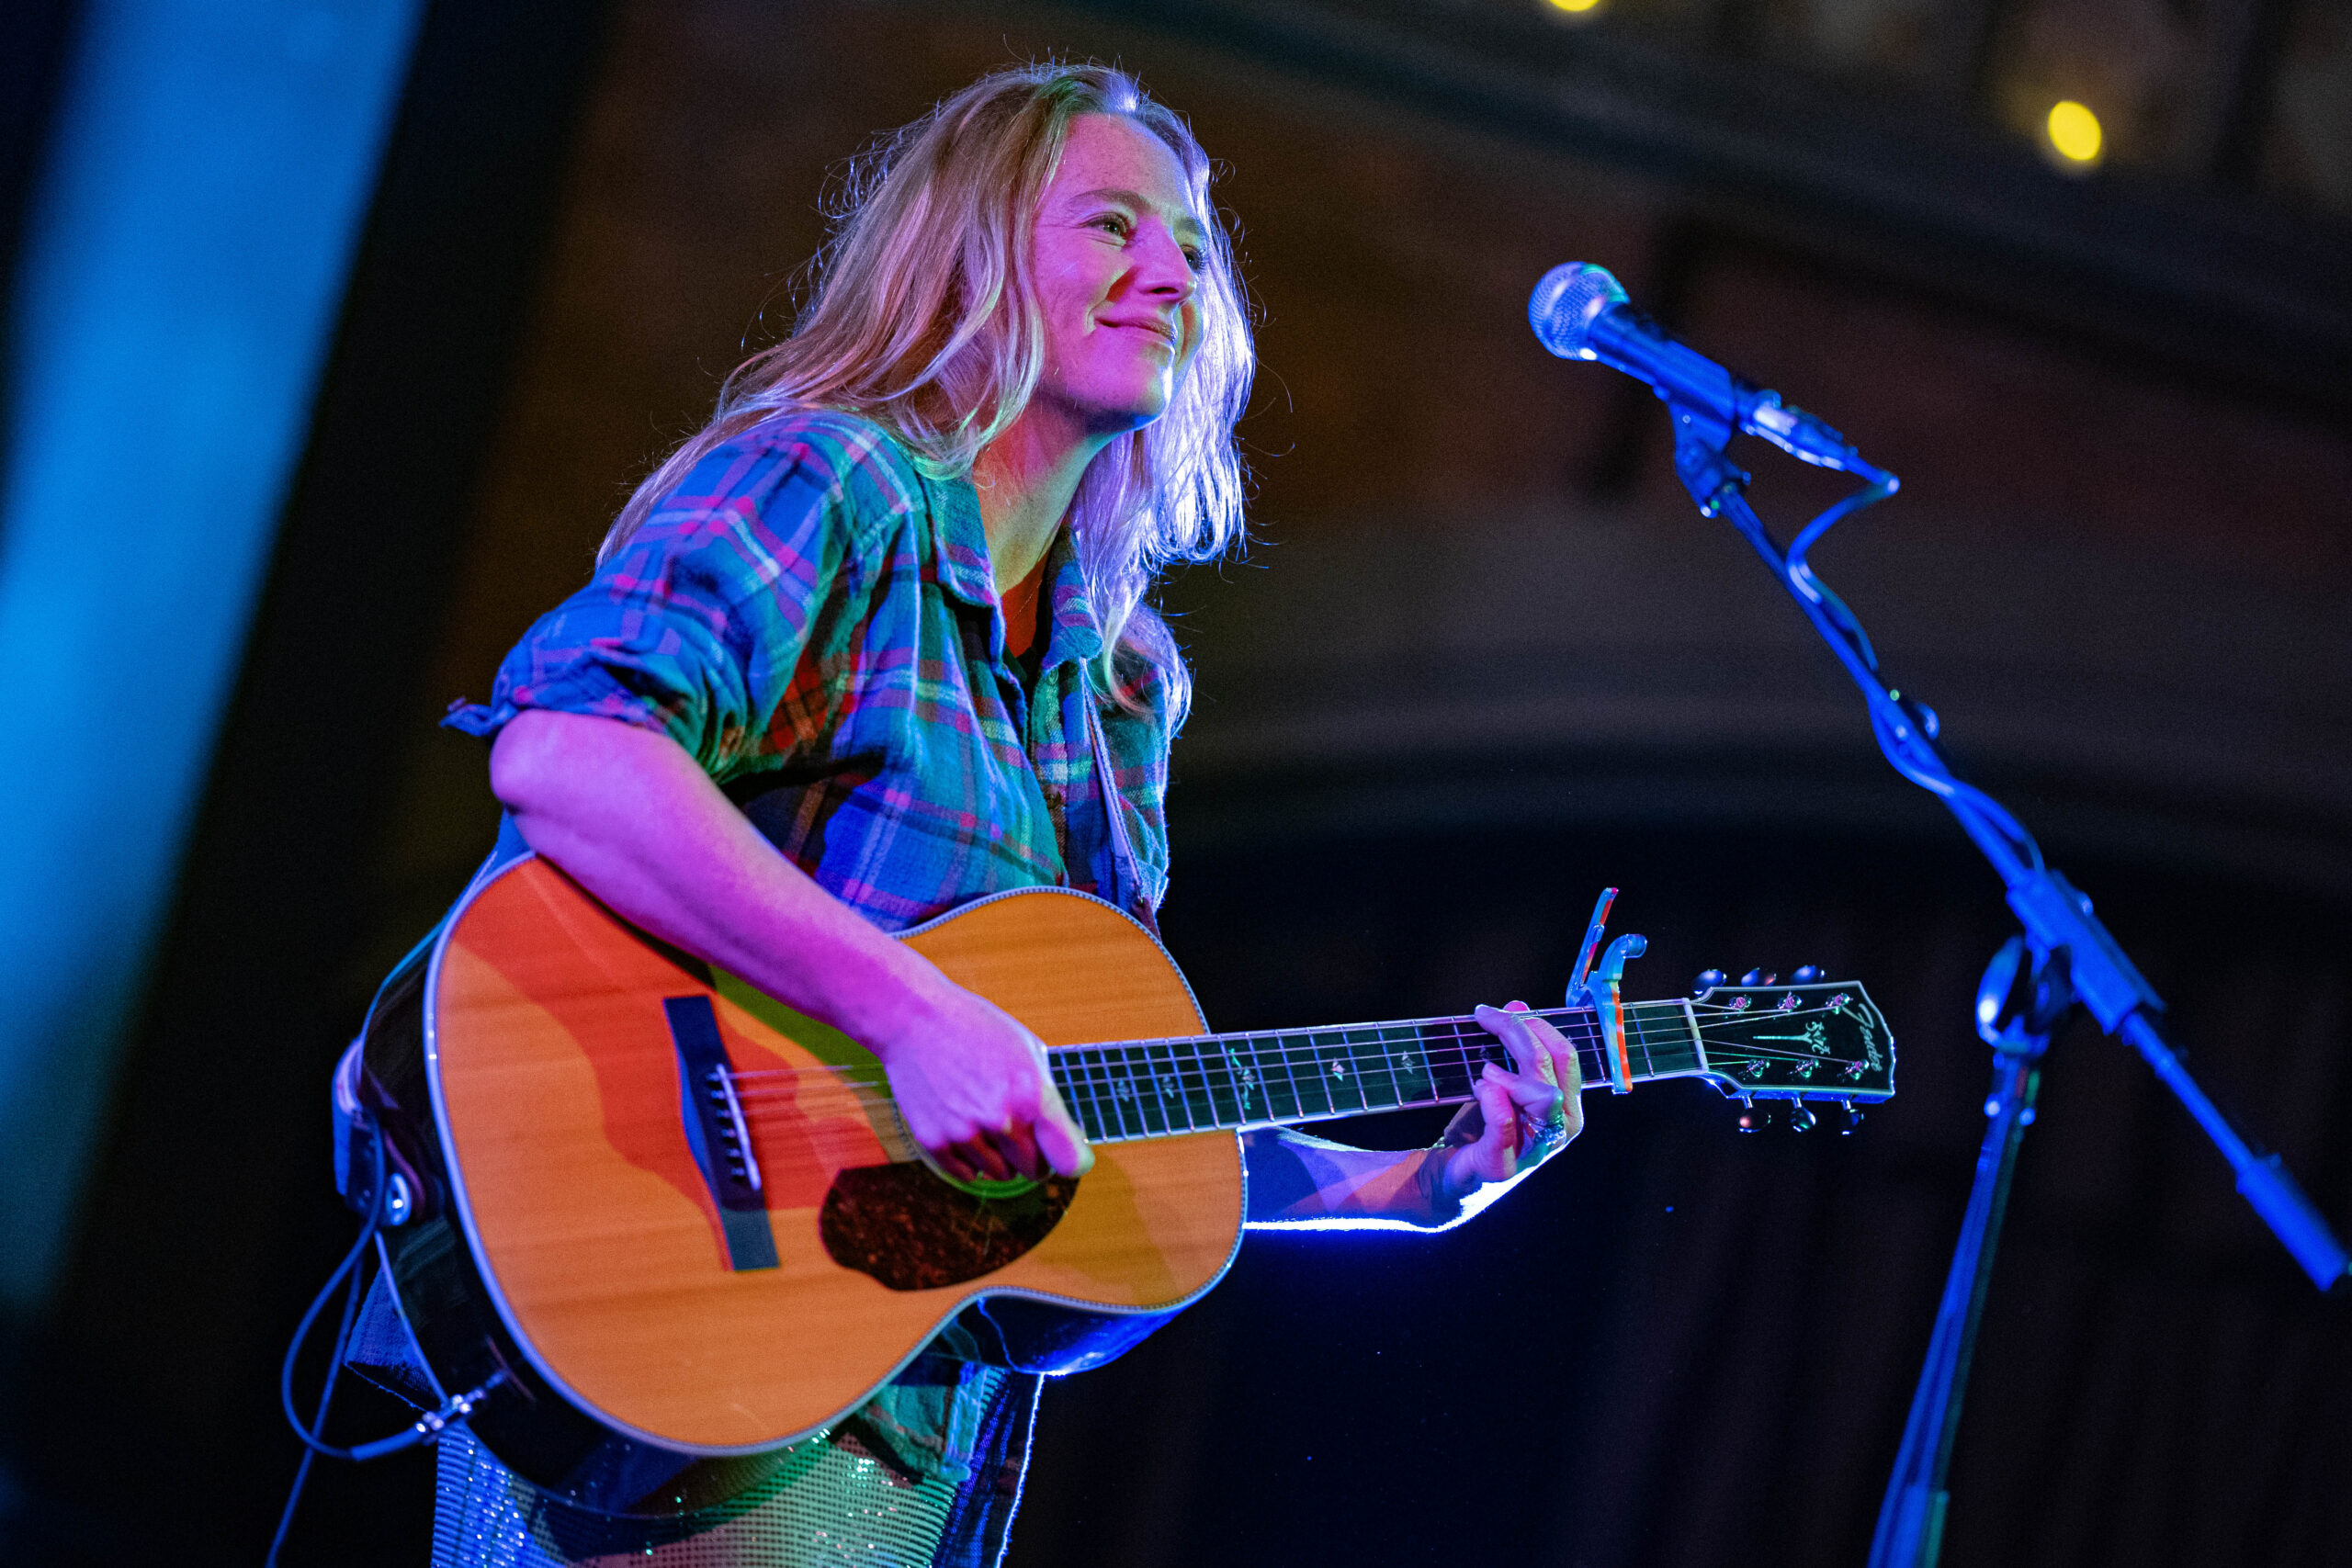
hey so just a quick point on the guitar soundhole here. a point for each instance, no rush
(914, 1232)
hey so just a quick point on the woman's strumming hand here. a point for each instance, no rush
(973, 1089)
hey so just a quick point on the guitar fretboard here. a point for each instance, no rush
(1148, 1089)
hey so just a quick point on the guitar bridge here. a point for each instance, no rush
(719, 1133)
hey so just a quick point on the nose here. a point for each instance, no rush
(1162, 269)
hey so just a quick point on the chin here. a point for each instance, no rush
(1119, 418)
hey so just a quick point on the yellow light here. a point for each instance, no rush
(2074, 131)
(1574, 7)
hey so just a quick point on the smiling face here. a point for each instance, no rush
(1118, 256)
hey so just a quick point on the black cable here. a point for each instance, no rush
(313, 1447)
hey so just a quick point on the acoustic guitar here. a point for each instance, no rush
(680, 1225)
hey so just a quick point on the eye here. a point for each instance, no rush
(1117, 223)
(1196, 257)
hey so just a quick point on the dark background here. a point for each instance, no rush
(1484, 662)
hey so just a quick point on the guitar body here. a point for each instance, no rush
(527, 1071)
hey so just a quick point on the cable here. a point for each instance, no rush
(312, 1447)
(1916, 760)
(427, 1428)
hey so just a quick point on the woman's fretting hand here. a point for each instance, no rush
(1519, 1118)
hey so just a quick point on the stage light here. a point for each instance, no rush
(1574, 7)
(204, 184)
(2075, 133)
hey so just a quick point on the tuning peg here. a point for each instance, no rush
(1707, 981)
(1800, 1118)
(1853, 1118)
(1757, 977)
(1754, 1115)
(1806, 974)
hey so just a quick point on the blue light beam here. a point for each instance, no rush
(184, 258)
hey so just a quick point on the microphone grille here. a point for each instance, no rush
(1565, 305)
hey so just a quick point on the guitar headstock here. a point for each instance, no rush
(1813, 1040)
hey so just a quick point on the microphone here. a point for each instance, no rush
(1580, 312)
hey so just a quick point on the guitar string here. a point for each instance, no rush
(1093, 1086)
(1640, 1017)
(1143, 1113)
(1118, 1115)
(1313, 1040)
(1197, 1078)
(1196, 1089)
(1296, 1046)
(1138, 1115)
(1181, 1059)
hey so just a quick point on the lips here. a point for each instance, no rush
(1152, 327)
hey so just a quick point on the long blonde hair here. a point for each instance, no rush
(924, 318)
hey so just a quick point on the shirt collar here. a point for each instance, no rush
(1072, 633)
(961, 559)
(959, 544)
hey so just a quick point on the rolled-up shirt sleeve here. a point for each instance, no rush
(696, 626)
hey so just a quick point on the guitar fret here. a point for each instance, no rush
(1169, 1084)
(1187, 1095)
(1404, 1089)
(1137, 1087)
(1367, 1064)
(1281, 1101)
(1099, 1105)
(1392, 1084)
(1448, 1076)
(1104, 1064)
(1152, 1085)
(1068, 1077)
(1298, 1050)
(1363, 1062)
(1216, 1112)
(1321, 1103)
(1248, 1091)
(1341, 1079)
(1667, 1020)
(1081, 1094)
(1211, 1072)
(1414, 1069)
(1098, 1093)
(1581, 1026)
(1066, 1085)
(1134, 1092)
(1216, 1084)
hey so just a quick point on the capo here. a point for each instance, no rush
(1598, 990)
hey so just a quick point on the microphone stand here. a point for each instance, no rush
(2073, 958)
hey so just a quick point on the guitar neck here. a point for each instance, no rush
(1156, 1089)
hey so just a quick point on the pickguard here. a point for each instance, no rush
(903, 1225)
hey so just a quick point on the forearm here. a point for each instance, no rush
(1304, 1182)
(628, 814)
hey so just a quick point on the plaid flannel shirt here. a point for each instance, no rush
(814, 620)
